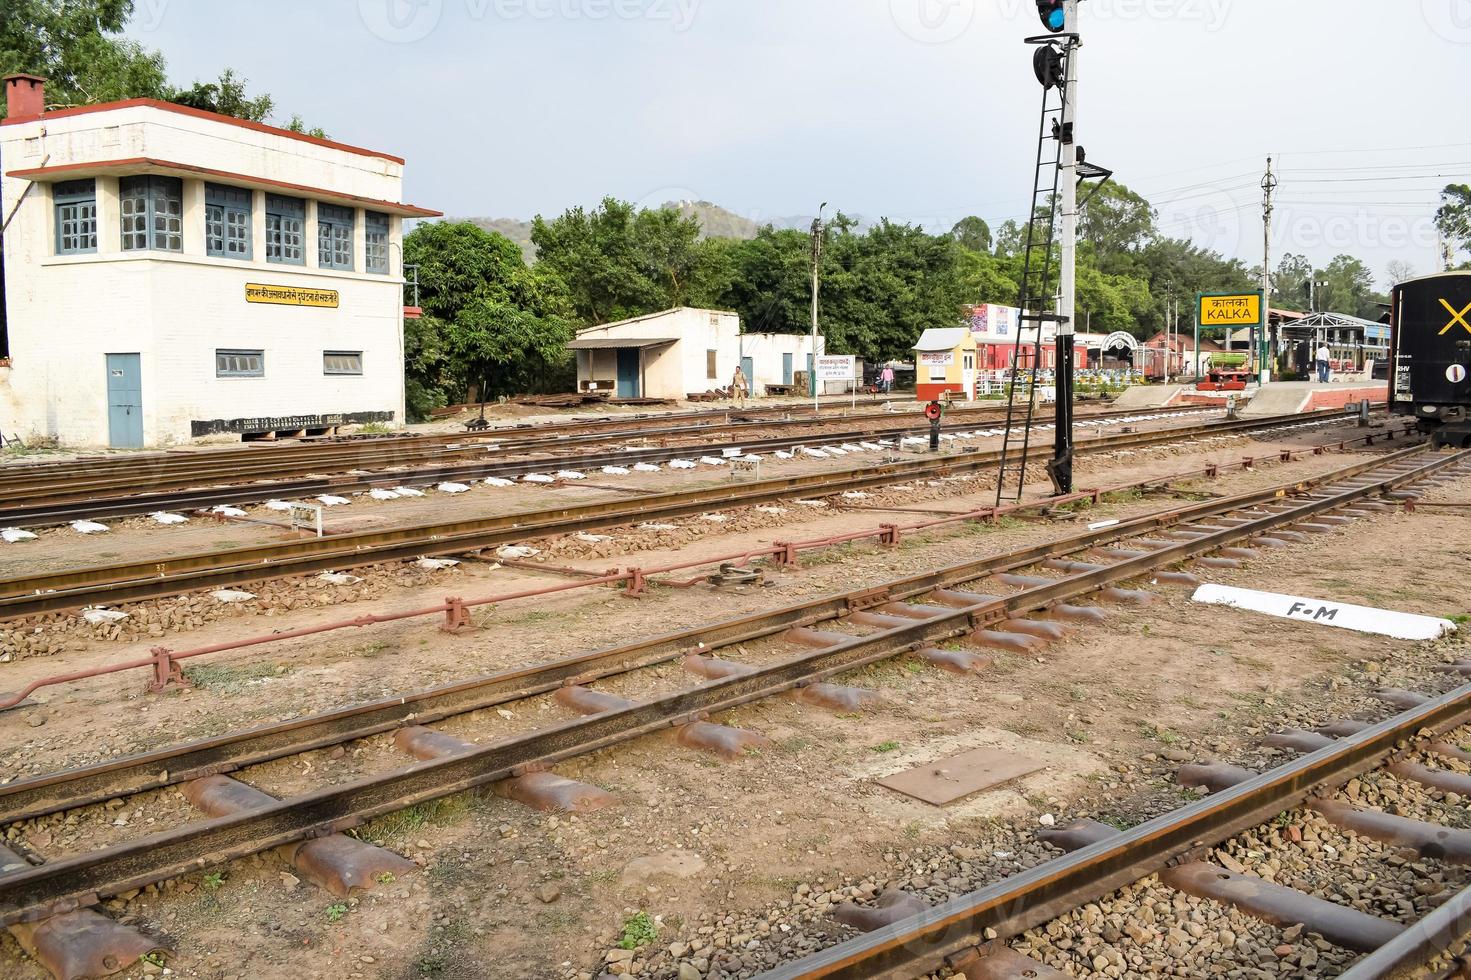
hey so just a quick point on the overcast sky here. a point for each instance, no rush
(920, 110)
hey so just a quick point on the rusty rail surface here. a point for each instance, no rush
(184, 484)
(165, 662)
(638, 424)
(1406, 956)
(950, 934)
(81, 879)
(111, 584)
(240, 463)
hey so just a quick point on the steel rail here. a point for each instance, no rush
(637, 423)
(78, 880)
(37, 796)
(1411, 951)
(633, 423)
(195, 467)
(164, 662)
(45, 592)
(947, 934)
(51, 506)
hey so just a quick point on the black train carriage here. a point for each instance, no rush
(1431, 355)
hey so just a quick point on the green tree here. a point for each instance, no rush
(297, 126)
(973, 233)
(618, 262)
(77, 45)
(226, 96)
(986, 278)
(490, 322)
(1010, 238)
(771, 281)
(1348, 288)
(1453, 219)
(1292, 281)
(1173, 268)
(1116, 223)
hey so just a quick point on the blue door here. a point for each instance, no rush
(748, 368)
(628, 372)
(786, 369)
(124, 402)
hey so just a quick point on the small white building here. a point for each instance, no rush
(684, 352)
(172, 274)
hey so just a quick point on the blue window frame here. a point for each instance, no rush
(152, 213)
(285, 230)
(334, 237)
(76, 216)
(375, 228)
(227, 231)
(240, 364)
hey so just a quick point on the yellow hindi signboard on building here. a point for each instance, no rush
(291, 295)
(1234, 310)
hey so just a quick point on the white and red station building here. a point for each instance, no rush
(172, 275)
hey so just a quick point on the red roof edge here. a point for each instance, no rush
(203, 114)
(406, 210)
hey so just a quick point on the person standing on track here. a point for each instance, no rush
(738, 386)
(1323, 356)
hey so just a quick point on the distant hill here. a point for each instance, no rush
(716, 221)
(516, 230)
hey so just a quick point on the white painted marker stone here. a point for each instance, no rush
(1361, 619)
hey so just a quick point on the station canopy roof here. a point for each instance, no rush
(1371, 329)
(610, 343)
(1339, 320)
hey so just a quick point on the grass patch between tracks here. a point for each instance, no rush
(439, 813)
(230, 679)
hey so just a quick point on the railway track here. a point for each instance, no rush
(115, 583)
(28, 484)
(57, 500)
(797, 651)
(970, 935)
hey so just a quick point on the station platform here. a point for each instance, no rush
(1293, 397)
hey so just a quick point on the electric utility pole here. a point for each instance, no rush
(816, 266)
(1269, 186)
(1067, 306)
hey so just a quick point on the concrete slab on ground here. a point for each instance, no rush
(1292, 397)
(1148, 396)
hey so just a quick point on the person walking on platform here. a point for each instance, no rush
(1323, 356)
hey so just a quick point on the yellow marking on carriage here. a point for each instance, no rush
(1455, 318)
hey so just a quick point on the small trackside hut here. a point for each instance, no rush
(682, 353)
(945, 364)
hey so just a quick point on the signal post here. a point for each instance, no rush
(1061, 17)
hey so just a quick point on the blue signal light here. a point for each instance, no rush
(1056, 19)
